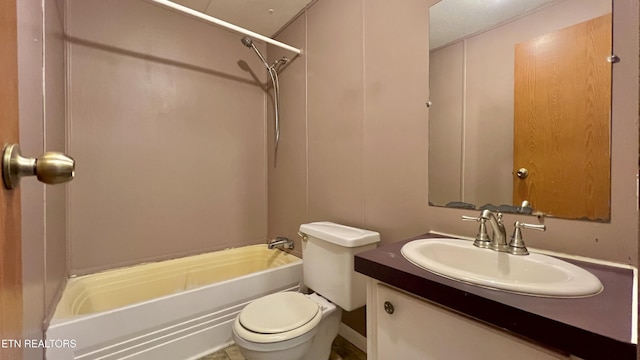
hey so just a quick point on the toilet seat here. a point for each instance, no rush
(278, 317)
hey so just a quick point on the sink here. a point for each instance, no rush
(533, 274)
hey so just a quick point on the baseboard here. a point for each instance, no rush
(353, 337)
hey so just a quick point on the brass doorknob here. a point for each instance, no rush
(522, 173)
(50, 168)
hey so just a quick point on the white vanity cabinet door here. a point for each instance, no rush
(420, 330)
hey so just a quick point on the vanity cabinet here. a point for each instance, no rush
(435, 317)
(403, 326)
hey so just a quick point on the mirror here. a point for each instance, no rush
(519, 115)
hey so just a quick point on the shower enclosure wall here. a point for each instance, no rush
(167, 124)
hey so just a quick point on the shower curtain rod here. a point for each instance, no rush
(238, 29)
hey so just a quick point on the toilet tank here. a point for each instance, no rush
(327, 260)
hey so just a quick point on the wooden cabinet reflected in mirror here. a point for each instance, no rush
(533, 93)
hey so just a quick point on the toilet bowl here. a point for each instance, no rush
(287, 325)
(295, 326)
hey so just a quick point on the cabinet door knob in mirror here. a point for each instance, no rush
(50, 168)
(522, 173)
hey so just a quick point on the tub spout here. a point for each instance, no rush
(281, 243)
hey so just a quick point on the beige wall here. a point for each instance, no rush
(343, 156)
(335, 111)
(166, 122)
(487, 58)
(365, 126)
(42, 124)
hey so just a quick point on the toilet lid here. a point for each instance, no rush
(278, 313)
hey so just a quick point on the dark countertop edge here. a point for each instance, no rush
(548, 332)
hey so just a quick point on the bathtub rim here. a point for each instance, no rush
(57, 319)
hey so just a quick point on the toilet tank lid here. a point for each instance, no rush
(342, 235)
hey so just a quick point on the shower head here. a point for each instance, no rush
(246, 41)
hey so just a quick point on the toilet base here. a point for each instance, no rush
(314, 345)
(327, 332)
(296, 352)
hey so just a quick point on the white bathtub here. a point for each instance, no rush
(169, 310)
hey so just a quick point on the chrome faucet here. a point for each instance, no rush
(281, 243)
(498, 240)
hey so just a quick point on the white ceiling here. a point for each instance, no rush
(265, 17)
(450, 20)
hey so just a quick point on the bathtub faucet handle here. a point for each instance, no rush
(281, 243)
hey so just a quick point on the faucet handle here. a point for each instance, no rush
(482, 238)
(516, 245)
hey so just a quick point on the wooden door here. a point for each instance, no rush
(562, 120)
(10, 244)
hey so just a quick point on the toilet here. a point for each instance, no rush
(294, 326)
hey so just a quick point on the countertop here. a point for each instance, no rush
(596, 327)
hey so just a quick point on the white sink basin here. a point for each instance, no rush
(533, 274)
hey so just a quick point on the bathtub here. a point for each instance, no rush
(175, 309)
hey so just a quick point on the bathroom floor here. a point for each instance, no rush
(340, 350)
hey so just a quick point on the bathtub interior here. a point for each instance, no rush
(116, 288)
